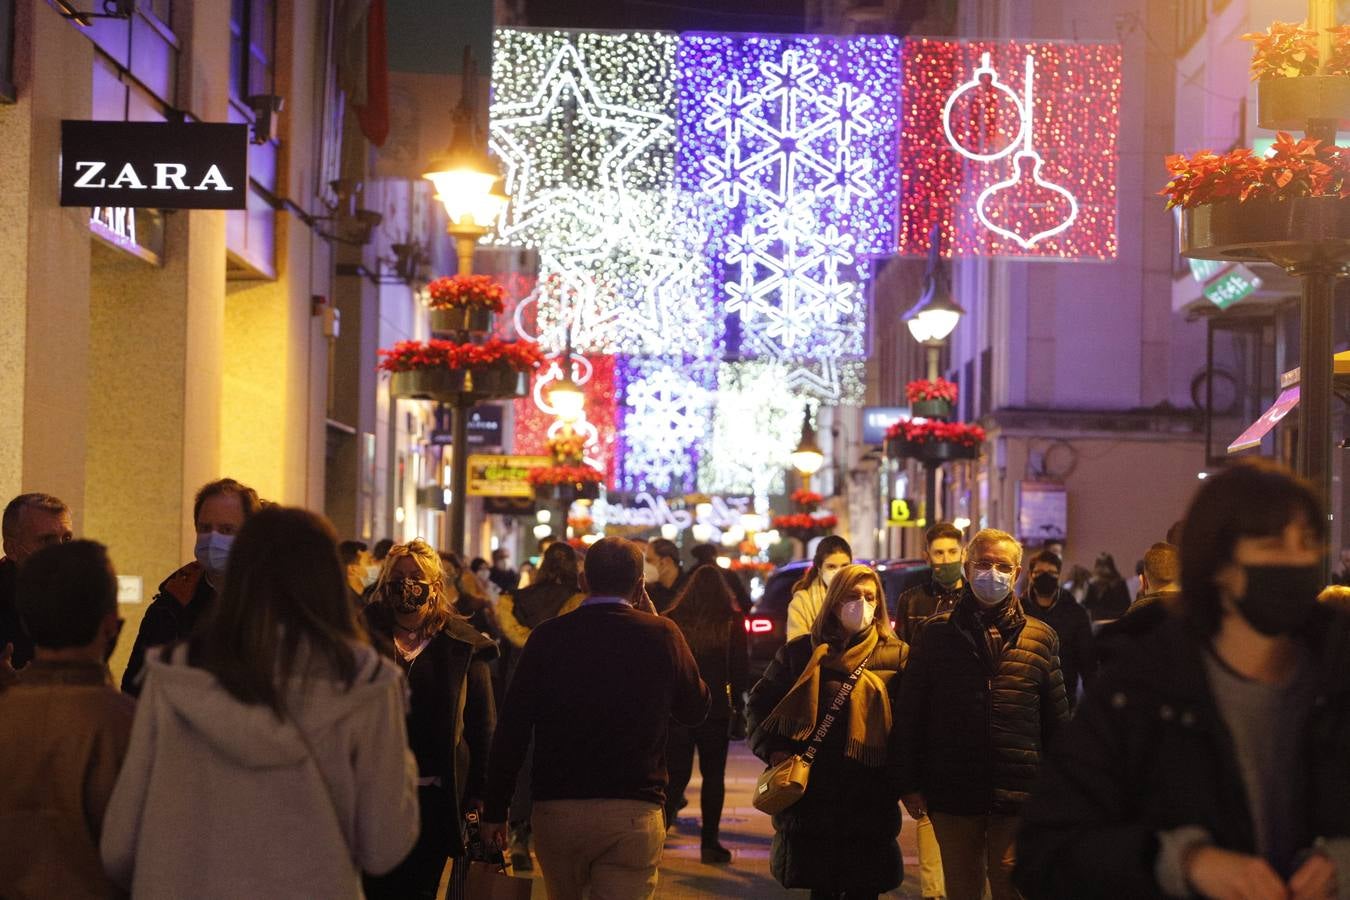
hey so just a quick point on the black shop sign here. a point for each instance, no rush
(163, 165)
(484, 426)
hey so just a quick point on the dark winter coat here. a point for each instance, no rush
(181, 602)
(1106, 600)
(11, 629)
(1077, 656)
(919, 604)
(841, 834)
(1144, 616)
(972, 736)
(451, 670)
(723, 659)
(1148, 752)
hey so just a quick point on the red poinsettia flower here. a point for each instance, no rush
(406, 356)
(1295, 167)
(922, 390)
(912, 431)
(451, 291)
(1284, 50)
(804, 522)
(564, 475)
(806, 498)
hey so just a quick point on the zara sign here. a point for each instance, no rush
(165, 165)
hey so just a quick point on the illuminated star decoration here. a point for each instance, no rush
(1001, 159)
(796, 138)
(584, 124)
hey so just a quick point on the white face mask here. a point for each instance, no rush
(992, 587)
(855, 615)
(827, 575)
(650, 573)
(370, 575)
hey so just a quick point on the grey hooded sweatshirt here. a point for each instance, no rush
(217, 798)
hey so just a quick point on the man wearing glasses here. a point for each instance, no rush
(982, 697)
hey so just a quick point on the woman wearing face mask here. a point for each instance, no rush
(451, 715)
(808, 594)
(1108, 596)
(839, 838)
(1213, 758)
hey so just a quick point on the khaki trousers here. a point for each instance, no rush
(974, 847)
(601, 849)
(931, 882)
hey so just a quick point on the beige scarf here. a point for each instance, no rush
(869, 706)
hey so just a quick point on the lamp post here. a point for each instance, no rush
(807, 458)
(931, 322)
(468, 184)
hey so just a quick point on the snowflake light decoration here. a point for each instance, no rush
(796, 137)
(664, 418)
(756, 426)
(585, 126)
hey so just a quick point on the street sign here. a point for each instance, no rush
(499, 475)
(1236, 284)
(876, 419)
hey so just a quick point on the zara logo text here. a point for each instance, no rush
(168, 176)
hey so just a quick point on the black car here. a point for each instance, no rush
(767, 622)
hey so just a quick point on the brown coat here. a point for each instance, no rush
(66, 730)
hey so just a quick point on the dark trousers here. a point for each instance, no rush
(711, 740)
(841, 895)
(419, 875)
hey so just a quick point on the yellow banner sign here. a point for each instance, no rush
(500, 475)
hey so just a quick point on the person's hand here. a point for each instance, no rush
(915, 805)
(778, 758)
(1314, 880)
(8, 674)
(494, 835)
(644, 603)
(1225, 875)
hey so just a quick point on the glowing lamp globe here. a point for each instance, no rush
(542, 531)
(702, 532)
(670, 531)
(567, 399)
(472, 198)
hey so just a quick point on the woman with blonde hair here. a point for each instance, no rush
(451, 716)
(838, 840)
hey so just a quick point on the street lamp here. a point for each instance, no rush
(567, 399)
(932, 320)
(468, 181)
(807, 458)
(468, 184)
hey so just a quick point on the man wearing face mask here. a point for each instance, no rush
(1047, 601)
(219, 511)
(940, 593)
(982, 698)
(661, 570)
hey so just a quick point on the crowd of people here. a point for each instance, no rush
(307, 717)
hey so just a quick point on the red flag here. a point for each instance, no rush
(374, 115)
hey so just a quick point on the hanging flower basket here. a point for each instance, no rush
(806, 501)
(461, 320)
(804, 526)
(443, 385)
(452, 372)
(931, 409)
(1286, 104)
(932, 441)
(566, 483)
(1293, 233)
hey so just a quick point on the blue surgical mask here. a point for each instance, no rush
(213, 552)
(991, 588)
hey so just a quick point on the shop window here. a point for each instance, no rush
(7, 94)
(252, 47)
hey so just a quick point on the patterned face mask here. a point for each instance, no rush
(407, 595)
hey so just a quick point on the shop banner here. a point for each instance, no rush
(158, 165)
(496, 475)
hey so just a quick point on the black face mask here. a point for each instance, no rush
(1045, 584)
(1280, 599)
(407, 595)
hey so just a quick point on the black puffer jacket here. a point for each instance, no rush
(841, 834)
(971, 735)
(1148, 752)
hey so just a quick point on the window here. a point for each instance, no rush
(252, 47)
(160, 9)
(7, 94)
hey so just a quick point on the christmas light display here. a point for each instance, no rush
(584, 124)
(536, 421)
(1010, 175)
(756, 426)
(664, 417)
(795, 137)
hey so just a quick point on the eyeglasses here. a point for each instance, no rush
(983, 566)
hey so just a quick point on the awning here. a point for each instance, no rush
(1282, 407)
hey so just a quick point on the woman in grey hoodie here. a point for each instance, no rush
(268, 755)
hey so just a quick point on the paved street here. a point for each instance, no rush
(747, 833)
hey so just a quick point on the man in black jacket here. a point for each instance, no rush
(596, 689)
(30, 522)
(1056, 607)
(982, 697)
(940, 593)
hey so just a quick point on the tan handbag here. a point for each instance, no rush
(782, 785)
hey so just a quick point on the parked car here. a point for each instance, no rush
(766, 625)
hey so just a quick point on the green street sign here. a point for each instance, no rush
(1236, 284)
